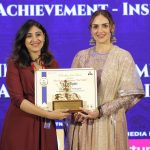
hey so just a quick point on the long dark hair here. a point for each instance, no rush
(20, 53)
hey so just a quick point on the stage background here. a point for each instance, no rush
(67, 25)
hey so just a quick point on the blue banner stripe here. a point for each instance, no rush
(43, 74)
(44, 90)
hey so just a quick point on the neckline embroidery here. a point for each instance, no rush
(34, 68)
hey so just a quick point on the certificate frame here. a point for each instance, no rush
(81, 83)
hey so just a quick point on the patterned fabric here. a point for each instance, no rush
(119, 88)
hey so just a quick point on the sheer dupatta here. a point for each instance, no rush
(119, 78)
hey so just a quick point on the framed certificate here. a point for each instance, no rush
(66, 88)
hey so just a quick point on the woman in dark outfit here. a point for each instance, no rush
(24, 122)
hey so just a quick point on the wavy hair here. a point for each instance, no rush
(20, 53)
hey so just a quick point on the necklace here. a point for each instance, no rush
(34, 68)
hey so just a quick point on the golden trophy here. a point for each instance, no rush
(65, 99)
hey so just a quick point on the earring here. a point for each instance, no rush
(92, 41)
(113, 38)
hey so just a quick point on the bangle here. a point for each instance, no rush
(100, 111)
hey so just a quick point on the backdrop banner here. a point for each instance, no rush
(67, 26)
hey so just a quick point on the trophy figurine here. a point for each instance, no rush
(66, 99)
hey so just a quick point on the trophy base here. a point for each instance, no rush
(72, 105)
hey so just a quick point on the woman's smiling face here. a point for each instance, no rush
(34, 41)
(101, 30)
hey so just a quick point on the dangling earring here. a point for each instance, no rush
(92, 41)
(113, 38)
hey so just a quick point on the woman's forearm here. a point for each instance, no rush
(30, 108)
